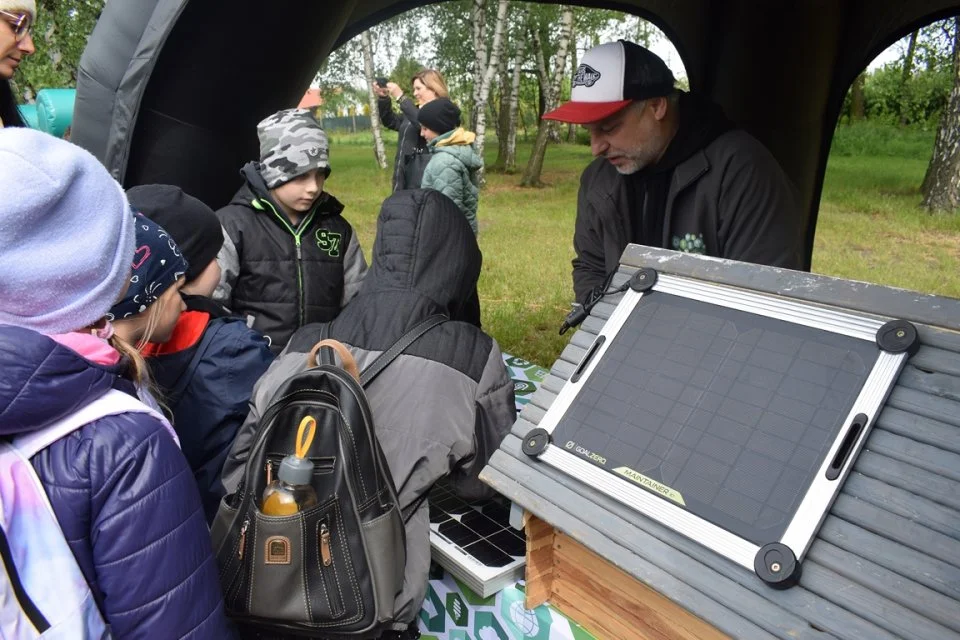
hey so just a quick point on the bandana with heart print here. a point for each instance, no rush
(157, 264)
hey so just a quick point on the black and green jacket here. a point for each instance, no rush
(280, 277)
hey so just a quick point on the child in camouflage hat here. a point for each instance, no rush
(289, 257)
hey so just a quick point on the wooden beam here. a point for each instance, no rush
(539, 571)
(608, 601)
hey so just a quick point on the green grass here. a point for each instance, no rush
(869, 227)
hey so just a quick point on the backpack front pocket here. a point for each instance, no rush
(299, 570)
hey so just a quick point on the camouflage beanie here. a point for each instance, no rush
(291, 143)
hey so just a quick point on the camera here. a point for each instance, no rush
(382, 82)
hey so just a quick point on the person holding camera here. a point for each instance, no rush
(412, 156)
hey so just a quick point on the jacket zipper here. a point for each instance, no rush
(30, 609)
(296, 233)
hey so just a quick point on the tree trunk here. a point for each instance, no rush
(510, 165)
(571, 127)
(378, 151)
(858, 108)
(905, 76)
(478, 23)
(941, 185)
(531, 175)
(503, 119)
(490, 66)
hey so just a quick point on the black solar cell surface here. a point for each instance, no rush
(480, 529)
(735, 411)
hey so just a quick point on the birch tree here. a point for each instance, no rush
(551, 90)
(369, 76)
(941, 185)
(489, 67)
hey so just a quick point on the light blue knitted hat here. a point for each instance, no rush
(66, 234)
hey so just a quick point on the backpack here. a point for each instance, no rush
(43, 593)
(335, 569)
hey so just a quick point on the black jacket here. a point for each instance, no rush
(280, 276)
(407, 169)
(729, 199)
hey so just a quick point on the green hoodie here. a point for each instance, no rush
(452, 171)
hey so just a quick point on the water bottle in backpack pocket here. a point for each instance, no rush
(333, 565)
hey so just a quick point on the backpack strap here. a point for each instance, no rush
(111, 403)
(377, 366)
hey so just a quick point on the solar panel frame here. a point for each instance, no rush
(657, 499)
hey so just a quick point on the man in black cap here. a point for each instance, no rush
(671, 171)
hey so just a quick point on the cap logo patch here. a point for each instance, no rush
(586, 76)
(314, 152)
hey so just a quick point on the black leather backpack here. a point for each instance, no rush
(335, 569)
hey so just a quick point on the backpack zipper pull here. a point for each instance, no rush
(269, 470)
(325, 544)
(243, 538)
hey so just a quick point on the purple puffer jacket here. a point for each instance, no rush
(122, 492)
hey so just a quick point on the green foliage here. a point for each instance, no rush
(922, 98)
(405, 69)
(60, 35)
(878, 139)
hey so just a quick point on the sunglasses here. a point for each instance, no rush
(21, 23)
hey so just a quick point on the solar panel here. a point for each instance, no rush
(474, 540)
(729, 416)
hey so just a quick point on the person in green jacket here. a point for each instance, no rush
(454, 163)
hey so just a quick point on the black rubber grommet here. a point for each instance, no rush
(898, 336)
(777, 566)
(643, 279)
(535, 442)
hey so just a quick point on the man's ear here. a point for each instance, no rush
(659, 107)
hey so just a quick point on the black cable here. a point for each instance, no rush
(580, 312)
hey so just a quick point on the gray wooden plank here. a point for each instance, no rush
(904, 503)
(542, 399)
(552, 383)
(933, 359)
(919, 428)
(893, 586)
(883, 612)
(876, 299)
(522, 426)
(591, 526)
(593, 325)
(798, 601)
(940, 338)
(924, 404)
(532, 412)
(924, 456)
(929, 485)
(572, 354)
(583, 339)
(915, 535)
(914, 565)
(942, 385)
(602, 310)
(563, 369)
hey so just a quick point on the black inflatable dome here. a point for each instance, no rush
(171, 90)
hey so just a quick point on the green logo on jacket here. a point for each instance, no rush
(329, 242)
(689, 243)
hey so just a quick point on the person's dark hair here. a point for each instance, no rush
(9, 112)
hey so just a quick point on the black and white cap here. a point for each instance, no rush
(611, 76)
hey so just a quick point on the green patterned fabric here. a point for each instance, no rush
(452, 612)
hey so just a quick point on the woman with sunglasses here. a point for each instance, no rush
(16, 21)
